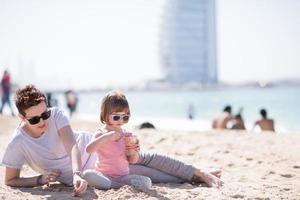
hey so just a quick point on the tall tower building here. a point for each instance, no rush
(188, 42)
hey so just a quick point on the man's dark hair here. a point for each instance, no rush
(263, 113)
(227, 109)
(27, 97)
(238, 116)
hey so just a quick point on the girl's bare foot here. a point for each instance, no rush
(216, 173)
(212, 179)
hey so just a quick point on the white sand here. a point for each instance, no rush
(255, 166)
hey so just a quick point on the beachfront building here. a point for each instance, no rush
(188, 42)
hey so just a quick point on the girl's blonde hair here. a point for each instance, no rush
(113, 101)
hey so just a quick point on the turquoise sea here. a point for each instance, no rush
(282, 103)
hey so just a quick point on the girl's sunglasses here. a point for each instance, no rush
(117, 117)
(36, 119)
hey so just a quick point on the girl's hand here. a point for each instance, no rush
(133, 146)
(132, 151)
(116, 135)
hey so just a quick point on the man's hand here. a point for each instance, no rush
(50, 176)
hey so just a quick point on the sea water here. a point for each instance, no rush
(169, 108)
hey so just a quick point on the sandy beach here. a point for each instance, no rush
(255, 166)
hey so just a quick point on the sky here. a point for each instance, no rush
(100, 43)
(258, 40)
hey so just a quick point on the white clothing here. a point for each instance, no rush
(47, 152)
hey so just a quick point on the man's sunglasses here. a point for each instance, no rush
(36, 119)
(117, 117)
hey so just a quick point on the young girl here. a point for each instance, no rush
(109, 144)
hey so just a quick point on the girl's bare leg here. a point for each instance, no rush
(180, 169)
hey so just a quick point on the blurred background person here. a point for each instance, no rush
(72, 100)
(191, 111)
(238, 122)
(222, 119)
(52, 102)
(5, 90)
(264, 123)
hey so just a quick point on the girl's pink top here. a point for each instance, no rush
(112, 159)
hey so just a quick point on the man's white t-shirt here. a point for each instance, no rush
(47, 152)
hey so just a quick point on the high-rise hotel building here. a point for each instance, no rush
(188, 42)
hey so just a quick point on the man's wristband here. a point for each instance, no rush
(39, 180)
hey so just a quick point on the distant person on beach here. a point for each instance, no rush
(5, 90)
(264, 123)
(109, 143)
(146, 125)
(222, 119)
(238, 122)
(191, 111)
(72, 101)
(45, 141)
(52, 102)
